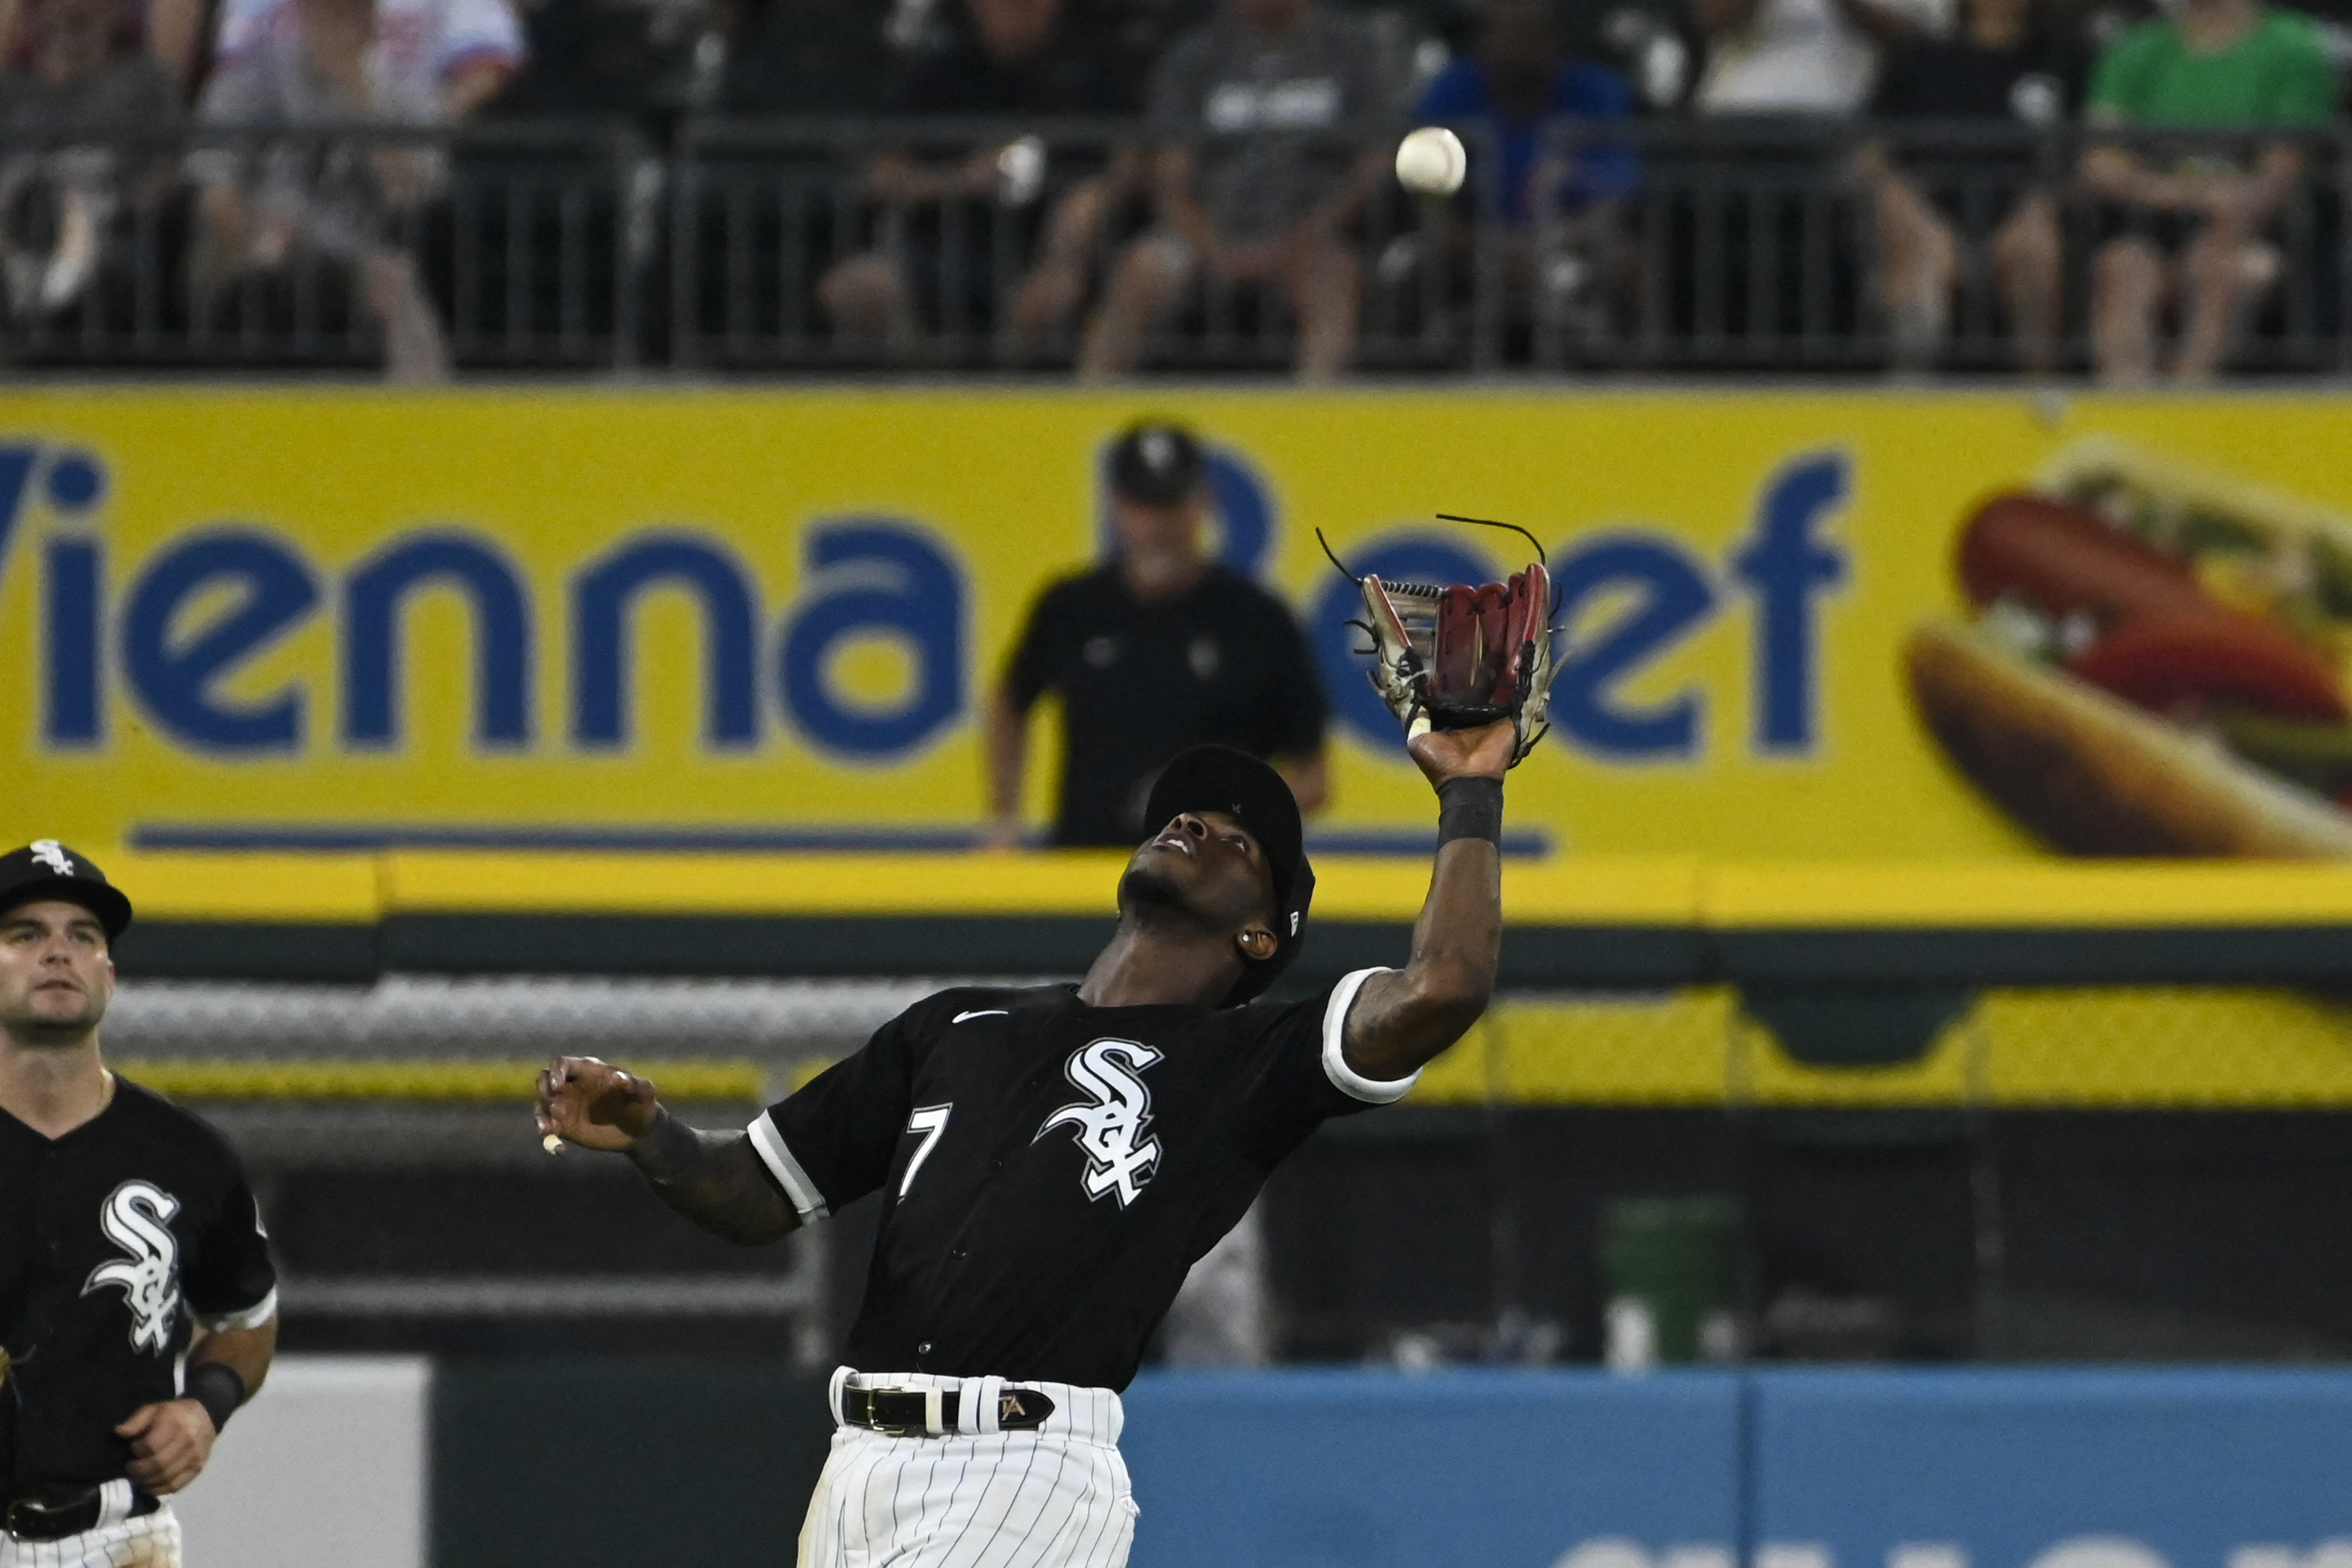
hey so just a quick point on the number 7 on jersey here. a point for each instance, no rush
(930, 1121)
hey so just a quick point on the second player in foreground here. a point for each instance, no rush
(1053, 1159)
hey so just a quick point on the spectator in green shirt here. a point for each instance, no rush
(2192, 233)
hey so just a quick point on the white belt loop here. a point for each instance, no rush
(114, 1500)
(832, 1388)
(934, 1418)
(982, 1399)
(1110, 1415)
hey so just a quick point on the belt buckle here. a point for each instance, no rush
(873, 1422)
(27, 1515)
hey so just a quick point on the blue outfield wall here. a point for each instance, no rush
(1370, 1469)
(2069, 1468)
(2056, 1470)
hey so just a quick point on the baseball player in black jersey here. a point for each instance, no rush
(127, 1231)
(1054, 1159)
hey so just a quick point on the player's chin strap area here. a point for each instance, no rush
(975, 1407)
(55, 1514)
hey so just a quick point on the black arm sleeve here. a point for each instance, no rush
(230, 1281)
(831, 1143)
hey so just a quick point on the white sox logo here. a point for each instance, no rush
(52, 854)
(1119, 1158)
(137, 1219)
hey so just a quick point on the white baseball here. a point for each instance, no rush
(1431, 162)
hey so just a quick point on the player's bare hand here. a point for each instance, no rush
(593, 1104)
(170, 1443)
(1481, 753)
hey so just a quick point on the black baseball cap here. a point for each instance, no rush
(1220, 778)
(1157, 463)
(46, 869)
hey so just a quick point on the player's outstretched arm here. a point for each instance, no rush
(1402, 1020)
(715, 1180)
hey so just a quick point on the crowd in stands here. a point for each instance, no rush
(1248, 138)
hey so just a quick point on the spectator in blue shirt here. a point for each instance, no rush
(1561, 203)
(1514, 86)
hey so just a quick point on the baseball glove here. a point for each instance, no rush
(1459, 657)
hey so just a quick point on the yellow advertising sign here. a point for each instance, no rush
(712, 620)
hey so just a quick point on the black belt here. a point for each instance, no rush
(56, 1513)
(904, 1412)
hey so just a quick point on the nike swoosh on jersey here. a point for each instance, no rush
(982, 1013)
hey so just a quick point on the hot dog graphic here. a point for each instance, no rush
(2155, 662)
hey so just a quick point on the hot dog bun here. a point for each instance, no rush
(2092, 775)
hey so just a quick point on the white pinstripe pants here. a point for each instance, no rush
(1055, 1497)
(150, 1541)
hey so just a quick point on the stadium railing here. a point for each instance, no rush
(531, 242)
(581, 248)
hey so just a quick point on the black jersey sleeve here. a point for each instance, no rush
(229, 1282)
(1030, 670)
(830, 1143)
(1302, 1073)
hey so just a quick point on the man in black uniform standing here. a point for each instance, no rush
(1053, 1159)
(1156, 650)
(125, 1227)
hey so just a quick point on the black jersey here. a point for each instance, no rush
(114, 1239)
(2037, 83)
(1051, 1170)
(1140, 680)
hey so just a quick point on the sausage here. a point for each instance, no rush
(2063, 559)
(2217, 657)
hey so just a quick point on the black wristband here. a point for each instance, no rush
(1470, 808)
(215, 1385)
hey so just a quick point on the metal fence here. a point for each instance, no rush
(1919, 1168)
(820, 246)
(278, 250)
